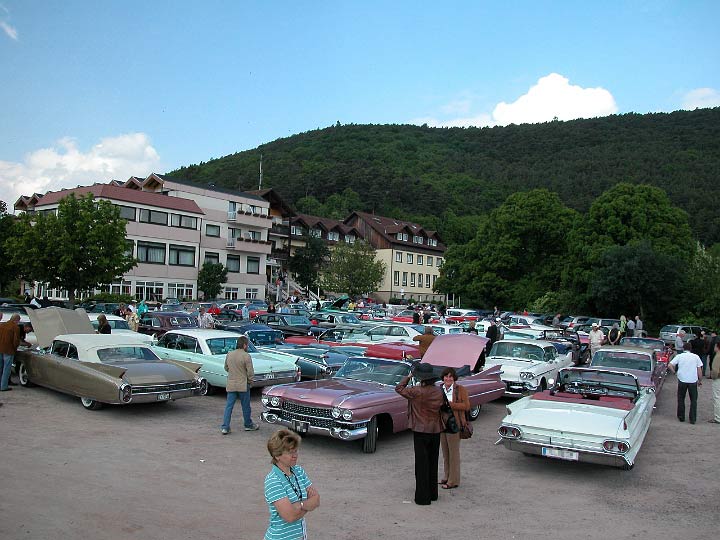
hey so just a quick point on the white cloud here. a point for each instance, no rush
(551, 97)
(701, 98)
(64, 166)
(11, 32)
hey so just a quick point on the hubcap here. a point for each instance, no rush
(22, 374)
(87, 402)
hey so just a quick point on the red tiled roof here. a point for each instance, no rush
(116, 193)
(326, 223)
(389, 227)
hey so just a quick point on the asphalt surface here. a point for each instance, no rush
(164, 471)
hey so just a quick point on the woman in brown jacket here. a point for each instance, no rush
(459, 402)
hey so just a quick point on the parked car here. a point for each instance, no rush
(457, 315)
(101, 369)
(101, 307)
(407, 316)
(288, 324)
(439, 329)
(527, 365)
(359, 402)
(156, 323)
(593, 415)
(330, 319)
(669, 332)
(118, 325)
(643, 363)
(571, 321)
(210, 347)
(664, 351)
(608, 323)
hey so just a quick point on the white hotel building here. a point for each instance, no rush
(174, 227)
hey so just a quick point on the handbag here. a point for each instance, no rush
(466, 431)
(448, 417)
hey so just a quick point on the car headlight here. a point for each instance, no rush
(336, 412)
(526, 375)
(264, 399)
(347, 415)
(275, 401)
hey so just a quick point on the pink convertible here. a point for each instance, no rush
(360, 402)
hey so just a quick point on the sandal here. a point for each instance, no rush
(448, 486)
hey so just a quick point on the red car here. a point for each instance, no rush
(406, 316)
(456, 316)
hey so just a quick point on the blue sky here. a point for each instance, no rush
(95, 90)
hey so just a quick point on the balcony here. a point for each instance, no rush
(232, 216)
(230, 243)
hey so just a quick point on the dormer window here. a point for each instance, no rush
(295, 230)
(317, 233)
(333, 235)
(349, 238)
(402, 236)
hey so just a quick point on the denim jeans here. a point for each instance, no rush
(7, 360)
(244, 398)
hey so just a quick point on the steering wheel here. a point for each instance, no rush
(533, 356)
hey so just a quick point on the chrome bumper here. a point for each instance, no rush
(152, 397)
(339, 432)
(585, 456)
(258, 383)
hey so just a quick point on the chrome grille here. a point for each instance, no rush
(157, 388)
(296, 408)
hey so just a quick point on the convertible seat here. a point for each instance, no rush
(610, 402)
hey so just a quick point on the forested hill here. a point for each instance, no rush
(424, 173)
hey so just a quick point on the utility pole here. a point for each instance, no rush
(261, 174)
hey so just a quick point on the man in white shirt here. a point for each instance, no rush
(630, 327)
(596, 338)
(639, 326)
(688, 367)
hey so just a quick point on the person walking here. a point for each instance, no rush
(459, 401)
(639, 330)
(142, 308)
(679, 341)
(697, 346)
(206, 320)
(715, 375)
(289, 493)
(630, 327)
(9, 343)
(425, 339)
(239, 367)
(688, 367)
(614, 335)
(596, 338)
(424, 402)
(246, 311)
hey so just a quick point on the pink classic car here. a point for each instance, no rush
(359, 402)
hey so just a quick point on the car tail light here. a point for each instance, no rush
(616, 446)
(623, 447)
(609, 445)
(126, 393)
(509, 432)
(298, 374)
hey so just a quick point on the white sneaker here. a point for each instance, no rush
(253, 427)
(224, 431)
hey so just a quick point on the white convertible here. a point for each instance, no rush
(593, 415)
(527, 365)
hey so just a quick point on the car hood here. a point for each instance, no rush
(269, 360)
(455, 350)
(513, 366)
(48, 323)
(566, 417)
(335, 392)
(139, 372)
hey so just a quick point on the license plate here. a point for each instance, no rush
(269, 376)
(560, 454)
(164, 396)
(300, 427)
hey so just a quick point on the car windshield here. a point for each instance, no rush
(222, 345)
(119, 325)
(645, 343)
(387, 372)
(621, 360)
(297, 320)
(581, 379)
(518, 351)
(265, 337)
(125, 353)
(672, 328)
(349, 319)
(182, 321)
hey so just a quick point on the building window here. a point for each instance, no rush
(253, 265)
(127, 212)
(427, 281)
(150, 252)
(432, 242)
(254, 235)
(417, 239)
(398, 256)
(420, 260)
(412, 279)
(124, 287)
(402, 236)
(212, 258)
(182, 255)
(149, 290)
(129, 248)
(234, 233)
(409, 258)
(233, 263)
(349, 238)
(404, 281)
(420, 280)
(181, 291)
(212, 230)
(317, 233)
(334, 236)
(396, 278)
(232, 293)
(153, 216)
(184, 222)
(297, 231)
(438, 262)
(434, 278)
(251, 293)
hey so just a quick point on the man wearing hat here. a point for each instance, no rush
(424, 403)
(596, 338)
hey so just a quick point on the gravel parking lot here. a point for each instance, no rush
(164, 471)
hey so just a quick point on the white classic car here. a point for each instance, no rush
(527, 365)
(593, 415)
(210, 347)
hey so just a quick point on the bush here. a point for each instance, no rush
(105, 297)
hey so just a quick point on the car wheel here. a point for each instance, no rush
(370, 440)
(23, 375)
(543, 385)
(211, 390)
(90, 404)
(474, 412)
(627, 466)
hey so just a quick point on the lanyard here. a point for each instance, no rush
(294, 485)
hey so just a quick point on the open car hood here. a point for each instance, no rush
(48, 323)
(455, 350)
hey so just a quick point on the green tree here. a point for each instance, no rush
(309, 205)
(81, 248)
(308, 261)
(353, 269)
(9, 271)
(626, 214)
(517, 254)
(211, 278)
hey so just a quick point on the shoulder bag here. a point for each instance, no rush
(448, 417)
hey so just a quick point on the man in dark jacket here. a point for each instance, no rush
(697, 346)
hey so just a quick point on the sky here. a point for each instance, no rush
(105, 89)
